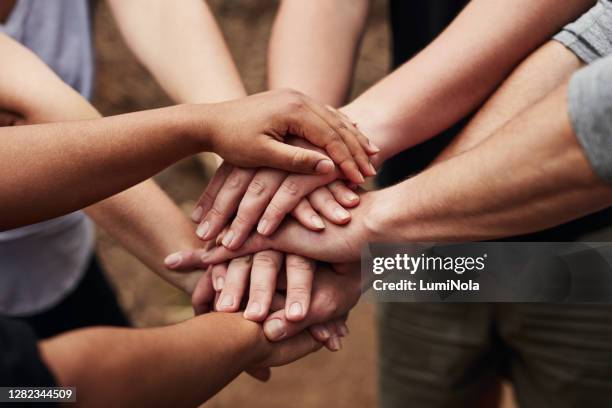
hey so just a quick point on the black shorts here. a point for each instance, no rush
(91, 303)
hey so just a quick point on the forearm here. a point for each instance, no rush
(149, 225)
(529, 176)
(455, 74)
(313, 47)
(89, 160)
(180, 365)
(182, 46)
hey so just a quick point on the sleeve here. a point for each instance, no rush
(590, 37)
(590, 110)
(20, 361)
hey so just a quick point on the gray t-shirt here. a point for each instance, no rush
(41, 263)
(590, 89)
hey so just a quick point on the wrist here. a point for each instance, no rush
(373, 123)
(196, 123)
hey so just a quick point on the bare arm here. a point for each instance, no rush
(543, 71)
(181, 365)
(457, 72)
(530, 175)
(314, 45)
(182, 46)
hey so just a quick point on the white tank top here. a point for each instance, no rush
(41, 263)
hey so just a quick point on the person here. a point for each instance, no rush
(60, 34)
(449, 221)
(106, 150)
(180, 365)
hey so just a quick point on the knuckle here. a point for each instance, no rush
(240, 220)
(290, 187)
(274, 210)
(300, 159)
(257, 187)
(266, 260)
(259, 290)
(299, 263)
(215, 211)
(299, 291)
(235, 179)
(325, 303)
(207, 199)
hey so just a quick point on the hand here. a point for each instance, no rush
(260, 275)
(334, 244)
(336, 290)
(273, 194)
(231, 283)
(249, 132)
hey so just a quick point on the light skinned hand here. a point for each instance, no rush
(251, 131)
(336, 290)
(335, 244)
(264, 197)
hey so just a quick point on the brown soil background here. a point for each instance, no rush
(345, 379)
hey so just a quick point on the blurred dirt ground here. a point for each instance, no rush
(344, 379)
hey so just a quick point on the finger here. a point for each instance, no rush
(333, 343)
(235, 284)
(309, 125)
(343, 195)
(266, 265)
(332, 297)
(300, 272)
(367, 145)
(207, 198)
(307, 216)
(259, 193)
(357, 143)
(218, 273)
(255, 243)
(320, 332)
(353, 166)
(325, 204)
(203, 295)
(343, 329)
(280, 155)
(292, 349)
(225, 203)
(286, 199)
(184, 261)
(261, 374)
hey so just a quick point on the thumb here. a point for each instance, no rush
(297, 160)
(290, 350)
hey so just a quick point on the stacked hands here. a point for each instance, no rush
(301, 272)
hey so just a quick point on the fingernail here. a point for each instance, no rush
(323, 333)
(173, 259)
(374, 147)
(343, 329)
(203, 229)
(352, 197)
(360, 178)
(253, 310)
(274, 329)
(262, 227)
(296, 310)
(226, 301)
(342, 214)
(196, 215)
(219, 282)
(334, 343)
(325, 166)
(372, 169)
(228, 238)
(317, 222)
